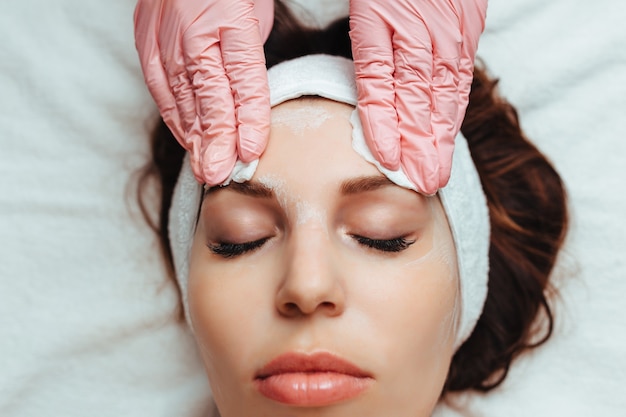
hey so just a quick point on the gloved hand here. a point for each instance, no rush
(414, 61)
(204, 64)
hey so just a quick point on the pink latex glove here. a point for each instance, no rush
(414, 61)
(204, 65)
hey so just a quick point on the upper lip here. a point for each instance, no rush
(293, 362)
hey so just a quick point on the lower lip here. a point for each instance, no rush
(312, 389)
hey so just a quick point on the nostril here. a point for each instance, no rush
(332, 309)
(291, 309)
(327, 305)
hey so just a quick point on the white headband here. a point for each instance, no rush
(463, 198)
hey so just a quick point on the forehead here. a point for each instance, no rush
(305, 113)
(310, 145)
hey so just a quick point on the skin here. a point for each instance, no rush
(312, 285)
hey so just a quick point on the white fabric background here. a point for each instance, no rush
(86, 313)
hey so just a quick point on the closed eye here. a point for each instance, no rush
(397, 244)
(231, 250)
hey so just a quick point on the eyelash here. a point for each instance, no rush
(231, 250)
(397, 244)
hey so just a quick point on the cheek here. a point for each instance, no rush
(430, 302)
(229, 303)
(416, 295)
(420, 300)
(412, 314)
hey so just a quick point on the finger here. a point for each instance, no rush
(413, 80)
(473, 15)
(175, 22)
(445, 114)
(214, 128)
(184, 97)
(244, 63)
(264, 11)
(146, 19)
(181, 90)
(447, 55)
(374, 66)
(466, 76)
(218, 156)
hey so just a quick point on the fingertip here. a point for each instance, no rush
(426, 186)
(198, 176)
(380, 128)
(423, 171)
(444, 177)
(194, 159)
(252, 143)
(217, 173)
(446, 151)
(388, 152)
(217, 164)
(196, 168)
(418, 182)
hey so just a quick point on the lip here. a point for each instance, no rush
(311, 380)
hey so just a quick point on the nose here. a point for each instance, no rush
(311, 282)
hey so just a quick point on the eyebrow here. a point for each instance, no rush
(348, 187)
(250, 188)
(364, 184)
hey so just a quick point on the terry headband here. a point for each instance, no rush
(462, 198)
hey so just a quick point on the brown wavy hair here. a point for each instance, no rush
(526, 199)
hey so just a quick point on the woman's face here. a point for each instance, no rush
(319, 288)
